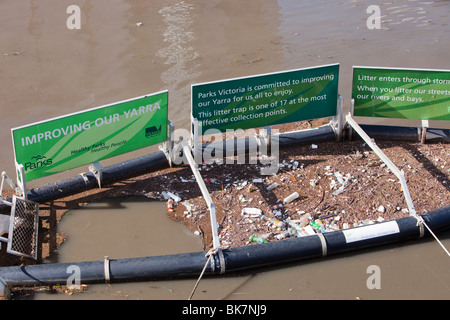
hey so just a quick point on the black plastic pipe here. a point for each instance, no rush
(249, 145)
(405, 133)
(130, 269)
(309, 247)
(236, 259)
(319, 134)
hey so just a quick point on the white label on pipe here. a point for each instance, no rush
(371, 231)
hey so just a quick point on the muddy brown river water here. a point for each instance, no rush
(125, 49)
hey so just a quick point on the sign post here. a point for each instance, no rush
(401, 93)
(70, 141)
(267, 99)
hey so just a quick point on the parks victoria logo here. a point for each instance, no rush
(152, 131)
(39, 161)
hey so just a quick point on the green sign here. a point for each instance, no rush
(267, 99)
(67, 142)
(401, 93)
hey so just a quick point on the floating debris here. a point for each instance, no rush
(272, 186)
(291, 198)
(253, 212)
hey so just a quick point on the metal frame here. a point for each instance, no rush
(205, 193)
(338, 120)
(97, 169)
(168, 145)
(20, 219)
(6, 178)
(399, 173)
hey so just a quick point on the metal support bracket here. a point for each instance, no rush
(6, 178)
(97, 169)
(20, 190)
(423, 136)
(205, 193)
(197, 140)
(350, 128)
(399, 173)
(264, 140)
(168, 145)
(338, 122)
(21, 182)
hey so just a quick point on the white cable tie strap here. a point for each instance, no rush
(106, 268)
(85, 178)
(222, 262)
(420, 224)
(324, 244)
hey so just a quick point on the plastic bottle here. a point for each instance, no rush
(279, 224)
(291, 198)
(339, 178)
(170, 205)
(165, 195)
(258, 239)
(304, 220)
(283, 235)
(188, 206)
(272, 186)
(305, 231)
(254, 212)
(317, 225)
(174, 196)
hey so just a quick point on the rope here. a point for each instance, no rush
(209, 254)
(421, 222)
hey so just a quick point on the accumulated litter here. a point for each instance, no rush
(282, 226)
(165, 195)
(305, 197)
(338, 191)
(174, 196)
(241, 185)
(188, 206)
